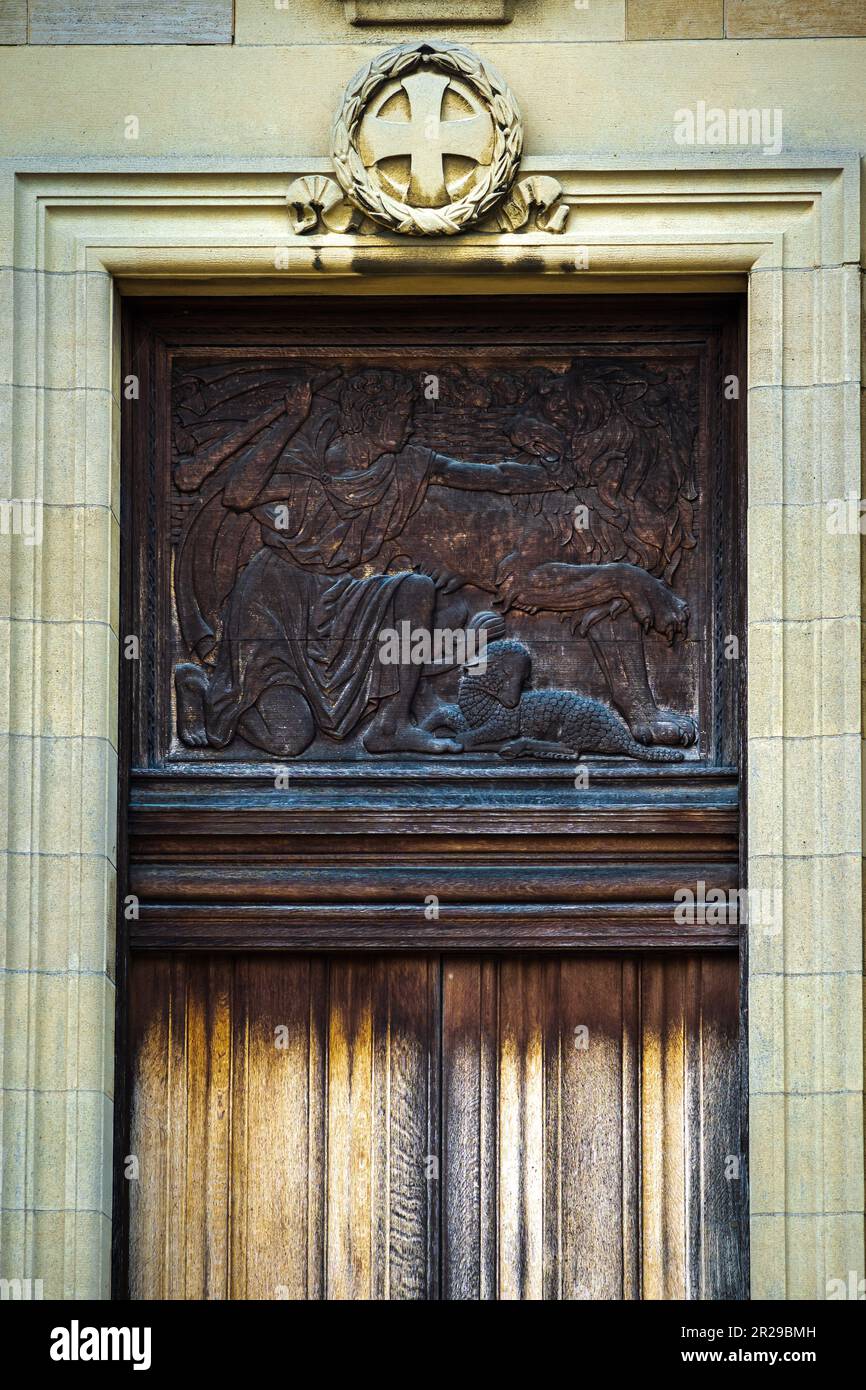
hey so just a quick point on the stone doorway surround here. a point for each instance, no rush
(75, 238)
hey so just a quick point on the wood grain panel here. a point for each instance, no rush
(470, 1024)
(663, 1071)
(278, 1125)
(596, 1031)
(587, 1132)
(286, 1119)
(261, 1085)
(382, 1143)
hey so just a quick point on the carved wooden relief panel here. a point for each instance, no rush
(346, 525)
(488, 557)
(333, 524)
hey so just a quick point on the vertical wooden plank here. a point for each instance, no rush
(557, 1130)
(693, 1102)
(412, 1048)
(590, 1120)
(183, 977)
(350, 1104)
(469, 1105)
(208, 1156)
(631, 1130)
(317, 1142)
(380, 1128)
(521, 1129)
(722, 1167)
(433, 1162)
(158, 1128)
(277, 1105)
(149, 1021)
(242, 1226)
(383, 1045)
(662, 1123)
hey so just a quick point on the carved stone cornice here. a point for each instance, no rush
(428, 11)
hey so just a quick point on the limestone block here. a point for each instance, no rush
(767, 1142)
(765, 780)
(766, 441)
(63, 680)
(766, 1035)
(765, 328)
(800, 568)
(668, 19)
(766, 666)
(13, 22)
(767, 1253)
(62, 795)
(804, 678)
(58, 1031)
(69, 1251)
(129, 22)
(821, 795)
(825, 1167)
(819, 344)
(821, 448)
(812, 935)
(799, 19)
(385, 22)
(235, 102)
(823, 1045)
(60, 910)
(69, 1147)
(73, 574)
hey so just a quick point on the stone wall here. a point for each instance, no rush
(282, 21)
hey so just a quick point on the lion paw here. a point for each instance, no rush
(665, 727)
(659, 609)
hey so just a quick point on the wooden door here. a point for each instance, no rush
(416, 1127)
(411, 1005)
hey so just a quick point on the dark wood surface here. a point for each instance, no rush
(355, 842)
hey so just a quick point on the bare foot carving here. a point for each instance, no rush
(408, 739)
(190, 683)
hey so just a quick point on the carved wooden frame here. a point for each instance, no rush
(347, 853)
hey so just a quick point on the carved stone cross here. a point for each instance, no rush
(425, 137)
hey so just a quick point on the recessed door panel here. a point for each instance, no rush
(417, 1127)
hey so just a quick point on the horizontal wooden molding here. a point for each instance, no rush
(397, 927)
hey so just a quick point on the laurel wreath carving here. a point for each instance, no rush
(497, 177)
